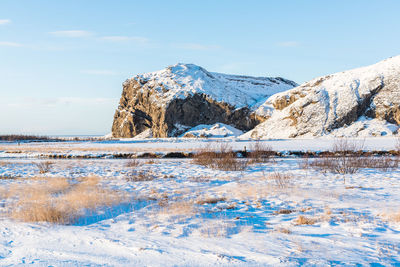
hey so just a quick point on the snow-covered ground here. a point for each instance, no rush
(190, 215)
(135, 146)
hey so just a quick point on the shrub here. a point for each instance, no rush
(44, 166)
(281, 180)
(301, 220)
(131, 163)
(140, 176)
(222, 158)
(347, 158)
(260, 152)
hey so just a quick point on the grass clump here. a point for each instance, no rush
(131, 163)
(58, 200)
(302, 220)
(282, 180)
(44, 166)
(347, 157)
(220, 158)
(260, 153)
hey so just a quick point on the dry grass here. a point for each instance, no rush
(284, 211)
(58, 200)
(181, 208)
(347, 158)
(216, 228)
(220, 158)
(392, 216)
(210, 200)
(302, 220)
(43, 166)
(283, 230)
(260, 153)
(352, 163)
(282, 180)
(140, 176)
(132, 163)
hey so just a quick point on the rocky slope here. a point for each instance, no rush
(171, 101)
(363, 101)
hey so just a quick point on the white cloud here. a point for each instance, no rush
(4, 21)
(195, 46)
(99, 72)
(117, 38)
(11, 44)
(72, 34)
(289, 44)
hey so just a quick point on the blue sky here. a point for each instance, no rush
(62, 63)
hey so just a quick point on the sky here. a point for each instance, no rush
(62, 63)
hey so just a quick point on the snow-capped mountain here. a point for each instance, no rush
(358, 102)
(182, 96)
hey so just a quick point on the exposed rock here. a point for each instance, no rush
(319, 107)
(173, 100)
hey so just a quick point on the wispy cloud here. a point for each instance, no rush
(288, 44)
(99, 72)
(196, 46)
(4, 21)
(72, 34)
(10, 44)
(118, 38)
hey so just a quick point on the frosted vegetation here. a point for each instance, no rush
(229, 203)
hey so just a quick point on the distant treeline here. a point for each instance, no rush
(43, 138)
(18, 137)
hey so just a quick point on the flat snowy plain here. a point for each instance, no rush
(185, 214)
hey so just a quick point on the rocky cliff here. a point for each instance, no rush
(171, 101)
(359, 102)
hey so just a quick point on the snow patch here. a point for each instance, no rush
(218, 130)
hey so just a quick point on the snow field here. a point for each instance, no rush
(182, 214)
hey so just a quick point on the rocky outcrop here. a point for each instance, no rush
(327, 104)
(173, 100)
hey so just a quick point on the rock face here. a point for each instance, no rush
(333, 103)
(173, 100)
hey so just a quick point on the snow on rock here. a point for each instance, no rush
(189, 95)
(324, 104)
(366, 127)
(218, 130)
(181, 80)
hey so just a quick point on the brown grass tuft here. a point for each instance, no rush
(283, 230)
(260, 153)
(282, 180)
(132, 163)
(44, 166)
(301, 220)
(57, 200)
(284, 211)
(221, 158)
(210, 200)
